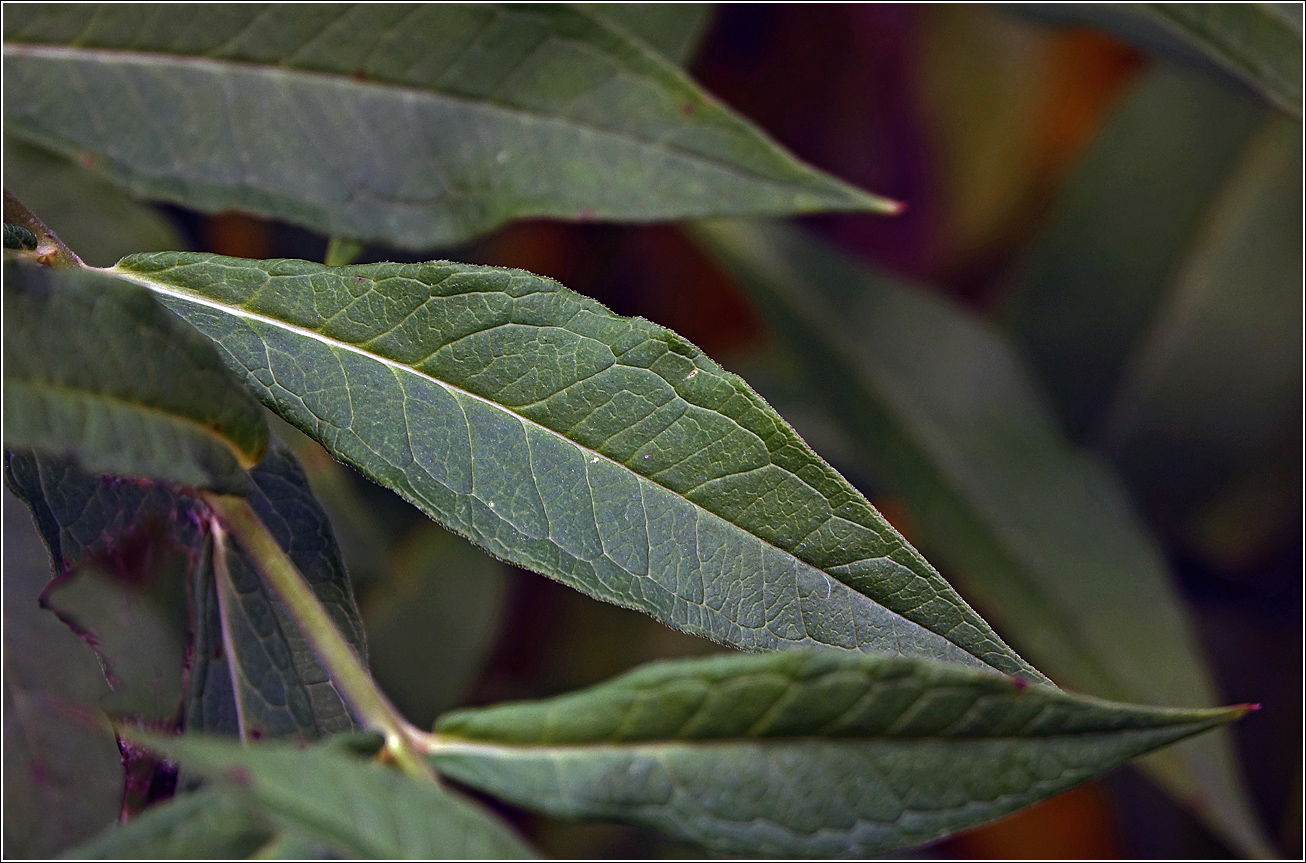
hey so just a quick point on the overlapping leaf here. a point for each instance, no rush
(355, 808)
(827, 754)
(415, 125)
(98, 370)
(131, 527)
(603, 451)
(945, 416)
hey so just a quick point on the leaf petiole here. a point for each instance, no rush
(337, 657)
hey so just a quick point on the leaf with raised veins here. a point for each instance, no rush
(817, 754)
(605, 452)
(284, 691)
(357, 807)
(98, 370)
(412, 125)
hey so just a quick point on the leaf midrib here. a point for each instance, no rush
(81, 393)
(47, 51)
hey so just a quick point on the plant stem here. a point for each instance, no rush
(341, 251)
(50, 250)
(337, 657)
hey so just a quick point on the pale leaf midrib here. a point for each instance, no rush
(854, 198)
(240, 312)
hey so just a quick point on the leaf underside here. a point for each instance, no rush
(414, 125)
(821, 754)
(603, 451)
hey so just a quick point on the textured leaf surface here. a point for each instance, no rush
(97, 369)
(1259, 44)
(815, 754)
(1040, 533)
(361, 808)
(62, 781)
(603, 451)
(415, 125)
(95, 217)
(284, 691)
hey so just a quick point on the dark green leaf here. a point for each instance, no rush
(94, 217)
(415, 125)
(18, 237)
(362, 808)
(826, 754)
(202, 825)
(1042, 535)
(674, 30)
(96, 369)
(603, 451)
(62, 779)
(135, 526)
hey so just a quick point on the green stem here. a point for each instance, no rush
(337, 657)
(341, 251)
(50, 250)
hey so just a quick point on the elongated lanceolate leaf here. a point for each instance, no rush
(414, 125)
(1041, 534)
(132, 527)
(605, 452)
(98, 370)
(821, 754)
(1259, 44)
(359, 808)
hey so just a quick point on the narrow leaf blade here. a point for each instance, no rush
(818, 754)
(97, 369)
(416, 126)
(603, 451)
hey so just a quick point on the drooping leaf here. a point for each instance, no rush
(605, 452)
(674, 30)
(1097, 273)
(93, 216)
(98, 370)
(413, 125)
(818, 754)
(1259, 44)
(1041, 534)
(362, 808)
(1215, 382)
(132, 526)
(432, 623)
(62, 779)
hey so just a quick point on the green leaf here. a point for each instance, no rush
(433, 622)
(283, 689)
(1259, 44)
(201, 825)
(98, 370)
(818, 754)
(674, 30)
(1097, 274)
(62, 781)
(416, 126)
(93, 216)
(605, 452)
(1042, 535)
(362, 808)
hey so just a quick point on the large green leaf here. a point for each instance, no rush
(414, 125)
(1259, 44)
(93, 216)
(134, 528)
(1097, 273)
(358, 808)
(605, 452)
(201, 825)
(673, 29)
(98, 370)
(1041, 534)
(820, 754)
